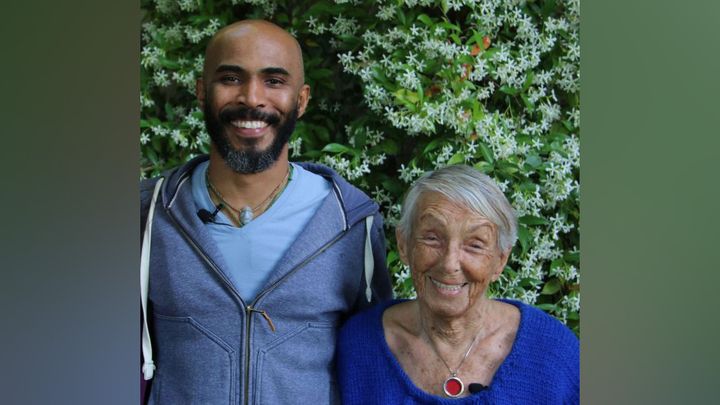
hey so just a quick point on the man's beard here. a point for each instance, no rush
(250, 160)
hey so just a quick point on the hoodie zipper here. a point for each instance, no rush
(246, 309)
(249, 309)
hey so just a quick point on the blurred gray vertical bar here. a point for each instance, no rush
(69, 240)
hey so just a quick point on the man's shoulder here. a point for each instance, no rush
(356, 203)
(368, 318)
(147, 185)
(171, 175)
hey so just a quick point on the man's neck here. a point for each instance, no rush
(241, 190)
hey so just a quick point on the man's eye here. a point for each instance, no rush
(274, 82)
(229, 79)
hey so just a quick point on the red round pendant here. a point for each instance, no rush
(453, 387)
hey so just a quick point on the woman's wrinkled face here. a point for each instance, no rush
(453, 255)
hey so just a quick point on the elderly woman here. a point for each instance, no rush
(453, 345)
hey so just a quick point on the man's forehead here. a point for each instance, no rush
(275, 46)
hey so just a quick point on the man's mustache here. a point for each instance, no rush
(231, 114)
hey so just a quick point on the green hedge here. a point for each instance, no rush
(402, 87)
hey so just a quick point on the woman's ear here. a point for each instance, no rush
(401, 245)
(503, 259)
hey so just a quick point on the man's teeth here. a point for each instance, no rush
(250, 124)
(447, 287)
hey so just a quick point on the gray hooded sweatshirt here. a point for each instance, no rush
(210, 346)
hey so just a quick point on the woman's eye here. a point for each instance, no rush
(477, 245)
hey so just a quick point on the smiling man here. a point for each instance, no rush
(255, 261)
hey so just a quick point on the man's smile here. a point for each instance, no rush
(249, 124)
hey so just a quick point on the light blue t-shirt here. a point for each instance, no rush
(252, 251)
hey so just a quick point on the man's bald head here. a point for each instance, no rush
(258, 31)
(252, 92)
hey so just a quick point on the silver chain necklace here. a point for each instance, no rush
(453, 385)
(247, 214)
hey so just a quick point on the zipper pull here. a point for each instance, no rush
(265, 315)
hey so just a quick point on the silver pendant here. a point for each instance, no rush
(246, 215)
(453, 386)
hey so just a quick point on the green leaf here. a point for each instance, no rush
(509, 169)
(319, 8)
(509, 90)
(312, 154)
(551, 287)
(336, 148)
(547, 307)
(449, 25)
(156, 143)
(319, 74)
(534, 161)
(425, 19)
(388, 146)
(412, 97)
(406, 98)
(528, 103)
(400, 16)
(488, 54)
(572, 257)
(392, 257)
(548, 8)
(476, 38)
(152, 156)
(528, 80)
(392, 185)
(444, 6)
(484, 167)
(169, 64)
(478, 111)
(529, 282)
(322, 134)
(487, 153)
(456, 158)
(524, 237)
(434, 144)
(532, 220)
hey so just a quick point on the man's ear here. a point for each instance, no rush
(401, 245)
(303, 98)
(200, 92)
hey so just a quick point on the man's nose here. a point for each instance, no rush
(252, 94)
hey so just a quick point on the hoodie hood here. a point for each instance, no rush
(356, 205)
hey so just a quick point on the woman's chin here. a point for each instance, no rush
(444, 305)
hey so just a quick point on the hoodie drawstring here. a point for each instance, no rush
(369, 260)
(148, 367)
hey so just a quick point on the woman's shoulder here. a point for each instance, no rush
(538, 322)
(544, 339)
(367, 321)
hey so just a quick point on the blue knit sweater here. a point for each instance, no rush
(543, 366)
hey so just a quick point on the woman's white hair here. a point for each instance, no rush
(467, 187)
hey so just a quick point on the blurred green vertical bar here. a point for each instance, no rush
(649, 201)
(69, 241)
